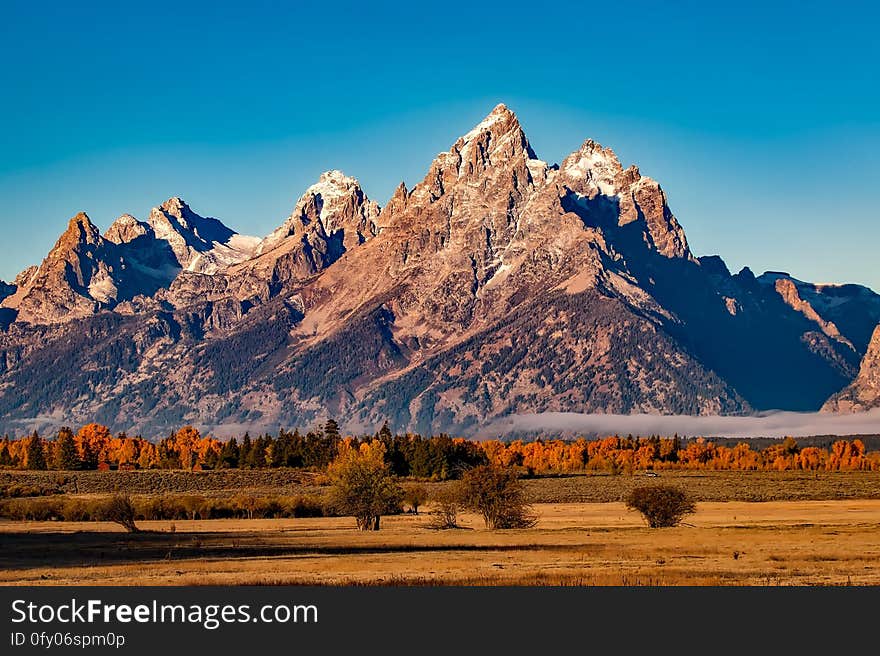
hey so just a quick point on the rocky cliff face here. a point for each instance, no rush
(199, 244)
(81, 274)
(864, 392)
(498, 284)
(848, 311)
(127, 230)
(333, 217)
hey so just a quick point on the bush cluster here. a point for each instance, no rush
(662, 506)
(16, 490)
(165, 507)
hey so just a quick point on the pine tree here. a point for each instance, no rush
(64, 453)
(256, 455)
(331, 430)
(244, 451)
(229, 454)
(277, 455)
(36, 459)
(211, 460)
(5, 456)
(295, 452)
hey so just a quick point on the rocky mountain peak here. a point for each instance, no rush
(335, 208)
(495, 151)
(337, 195)
(494, 141)
(395, 205)
(200, 244)
(591, 170)
(75, 277)
(501, 122)
(175, 206)
(80, 230)
(172, 219)
(594, 170)
(126, 229)
(871, 361)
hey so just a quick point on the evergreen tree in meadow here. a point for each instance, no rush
(256, 456)
(36, 459)
(64, 453)
(244, 451)
(5, 456)
(229, 454)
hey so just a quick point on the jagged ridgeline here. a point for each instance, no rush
(498, 284)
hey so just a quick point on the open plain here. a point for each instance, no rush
(831, 542)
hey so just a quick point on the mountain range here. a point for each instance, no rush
(499, 284)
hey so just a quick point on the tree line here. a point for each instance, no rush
(437, 457)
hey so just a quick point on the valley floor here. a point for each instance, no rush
(832, 542)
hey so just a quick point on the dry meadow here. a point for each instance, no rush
(832, 542)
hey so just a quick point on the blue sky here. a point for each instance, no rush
(760, 121)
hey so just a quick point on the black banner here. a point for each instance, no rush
(413, 620)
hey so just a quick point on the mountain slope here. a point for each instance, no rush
(486, 241)
(331, 218)
(864, 392)
(497, 284)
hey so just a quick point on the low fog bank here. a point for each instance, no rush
(768, 424)
(558, 424)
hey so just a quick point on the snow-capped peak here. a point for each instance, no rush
(126, 229)
(501, 113)
(335, 202)
(594, 167)
(331, 186)
(200, 244)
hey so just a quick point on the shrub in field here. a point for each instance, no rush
(303, 506)
(162, 507)
(660, 505)
(415, 496)
(498, 495)
(80, 510)
(14, 490)
(120, 509)
(32, 509)
(447, 504)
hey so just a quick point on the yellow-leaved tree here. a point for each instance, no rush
(362, 485)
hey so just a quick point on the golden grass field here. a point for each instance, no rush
(834, 542)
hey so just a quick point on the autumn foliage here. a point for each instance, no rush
(362, 485)
(440, 457)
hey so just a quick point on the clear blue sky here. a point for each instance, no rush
(761, 121)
